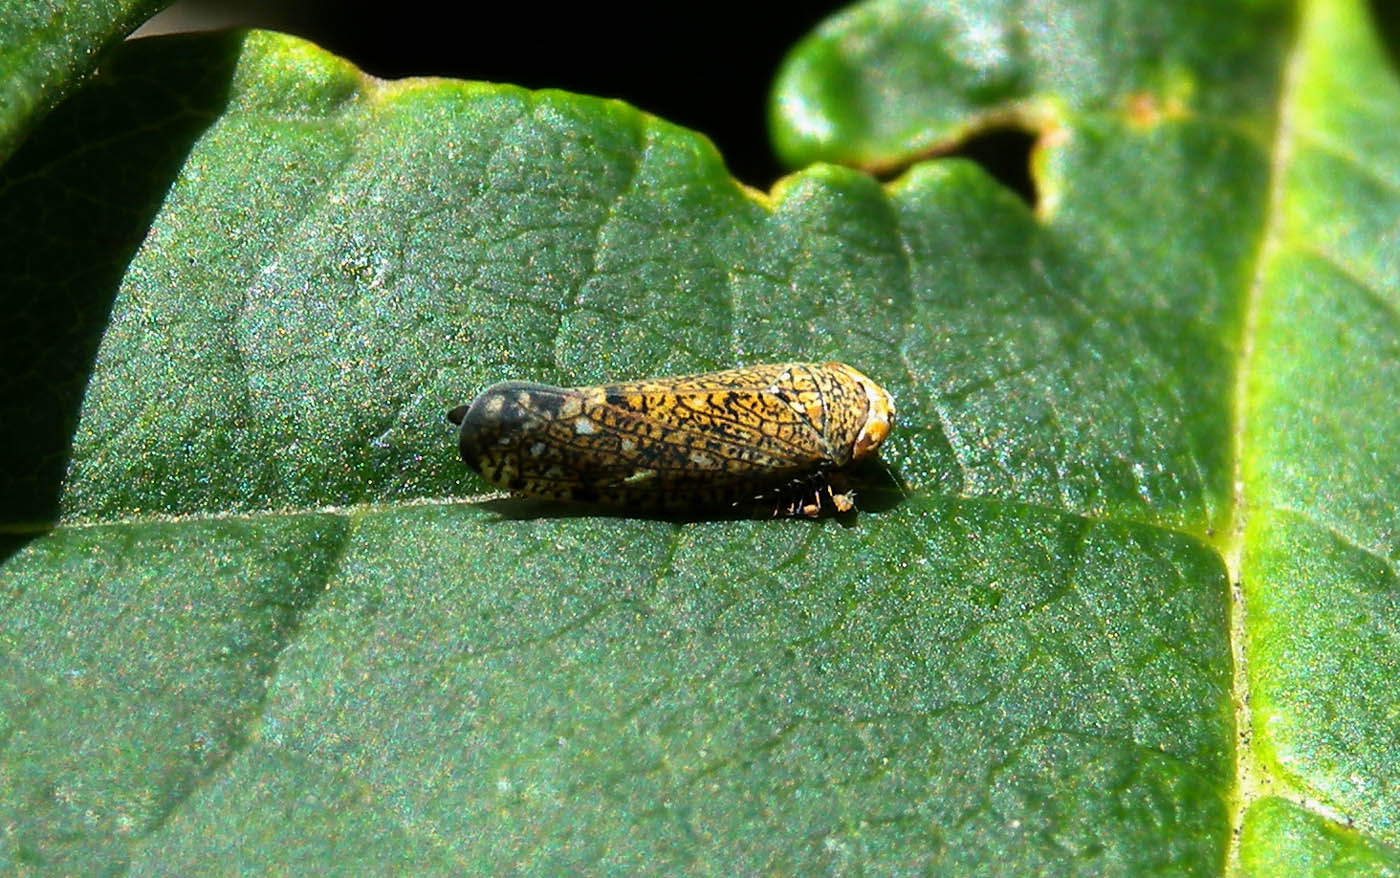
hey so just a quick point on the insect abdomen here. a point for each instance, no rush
(698, 440)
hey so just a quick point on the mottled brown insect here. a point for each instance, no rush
(774, 433)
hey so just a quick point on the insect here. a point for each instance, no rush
(779, 433)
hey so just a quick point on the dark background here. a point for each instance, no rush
(705, 66)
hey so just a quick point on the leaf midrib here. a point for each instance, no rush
(1251, 781)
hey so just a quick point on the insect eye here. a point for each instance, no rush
(871, 435)
(879, 419)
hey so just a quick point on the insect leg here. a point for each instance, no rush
(842, 497)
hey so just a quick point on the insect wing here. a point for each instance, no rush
(705, 438)
(709, 433)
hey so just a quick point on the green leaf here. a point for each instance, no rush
(1323, 536)
(1318, 356)
(47, 46)
(1281, 838)
(888, 80)
(258, 614)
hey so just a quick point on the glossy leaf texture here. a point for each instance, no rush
(257, 614)
(1316, 520)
